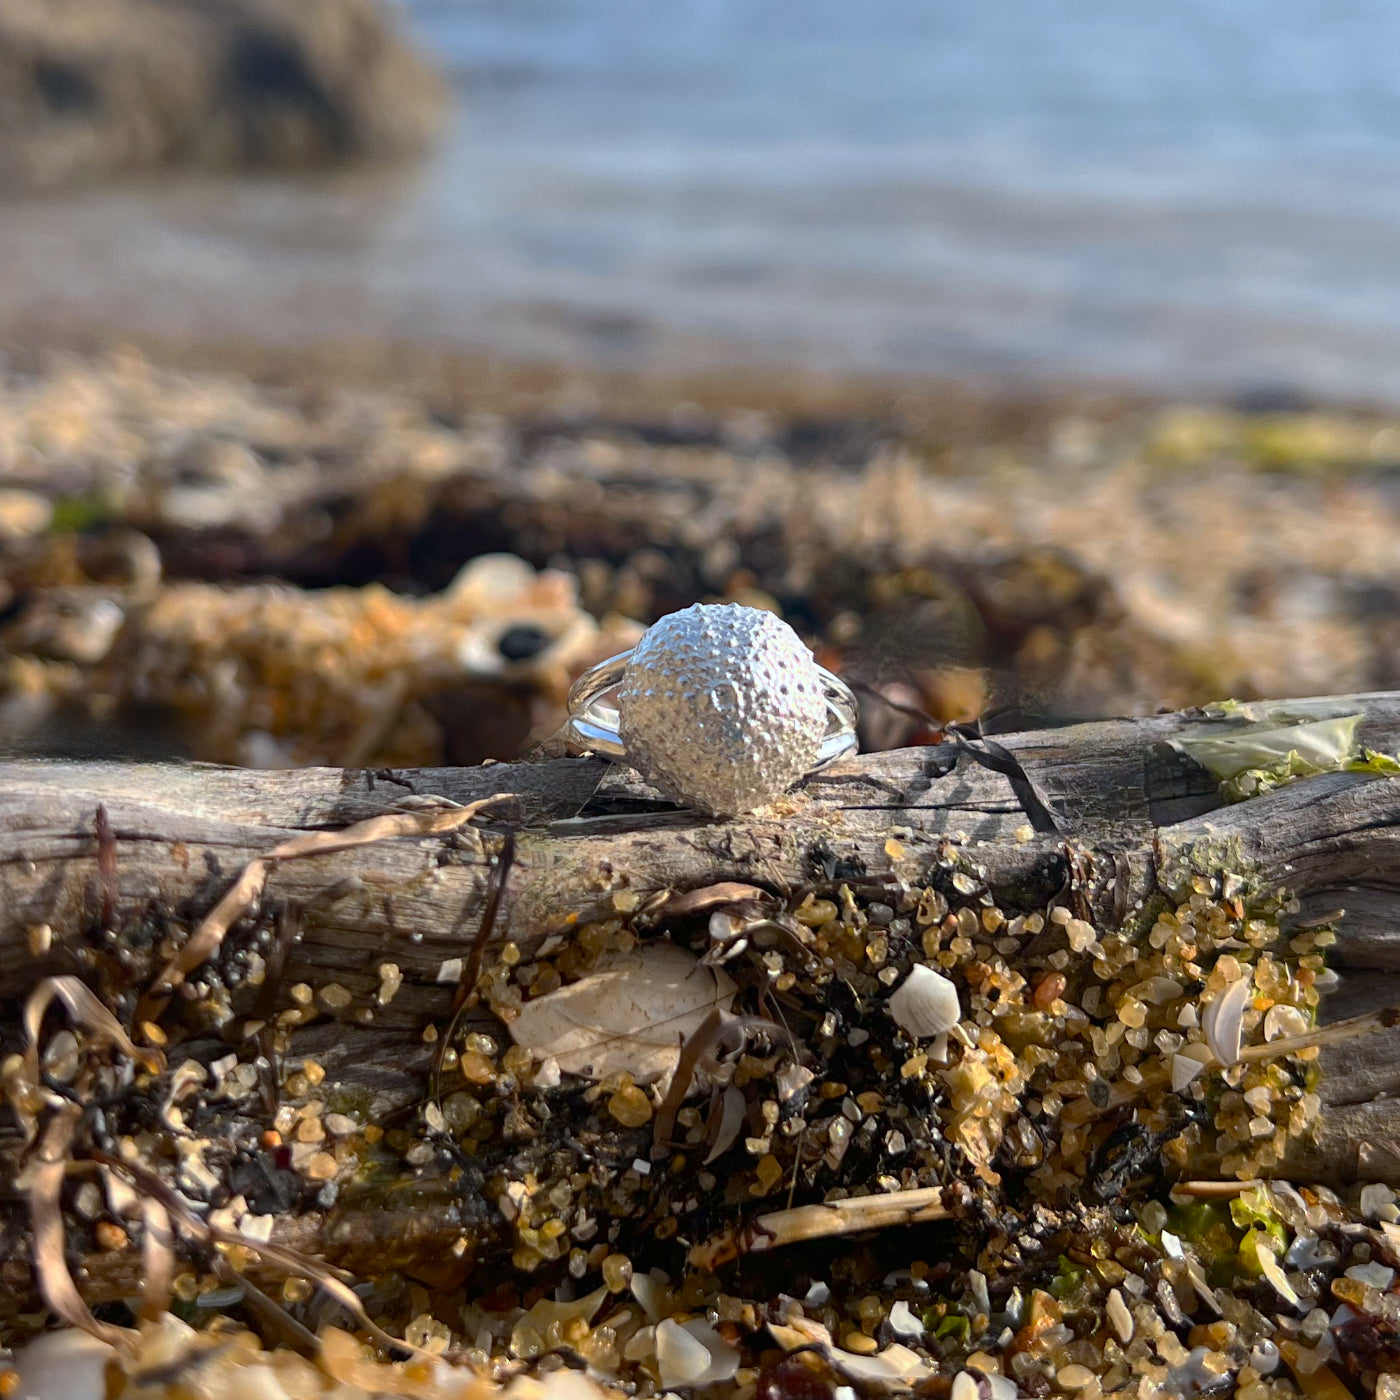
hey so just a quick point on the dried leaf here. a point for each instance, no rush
(630, 1014)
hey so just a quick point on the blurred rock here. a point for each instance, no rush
(90, 87)
(267, 675)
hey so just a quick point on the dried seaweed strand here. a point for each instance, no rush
(471, 968)
(278, 1321)
(325, 1276)
(157, 1259)
(691, 1048)
(720, 896)
(87, 1012)
(46, 1173)
(972, 741)
(205, 940)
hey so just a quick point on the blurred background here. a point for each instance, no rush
(1039, 361)
(1194, 196)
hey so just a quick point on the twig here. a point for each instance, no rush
(849, 1217)
(1214, 1190)
(1338, 1031)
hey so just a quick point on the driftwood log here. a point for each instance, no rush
(111, 859)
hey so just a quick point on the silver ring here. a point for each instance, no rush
(721, 707)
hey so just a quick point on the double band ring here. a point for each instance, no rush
(720, 707)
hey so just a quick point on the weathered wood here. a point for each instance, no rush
(1136, 816)
(588, 832)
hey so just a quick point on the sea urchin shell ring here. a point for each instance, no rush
(720, 707)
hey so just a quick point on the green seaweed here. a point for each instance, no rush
(954, 1327)
(1263, 746)
(1253, 1212)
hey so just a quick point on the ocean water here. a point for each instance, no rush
(1201, 195)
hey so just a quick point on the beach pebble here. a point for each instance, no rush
(66, 1365)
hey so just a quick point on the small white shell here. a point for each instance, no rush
(693, 1354)
(1284, 1020)
(1223, 1021)
(681, 1358)
(1119, 1317)
(1188, 1066)
(1275, 1275)
(904, 1322)
(925, 1003)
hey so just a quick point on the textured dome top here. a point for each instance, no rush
(722, 707)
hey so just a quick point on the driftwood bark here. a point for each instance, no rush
(1134, 816)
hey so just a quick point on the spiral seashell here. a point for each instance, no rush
(925, 1003)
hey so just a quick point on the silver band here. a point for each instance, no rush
(593, 720)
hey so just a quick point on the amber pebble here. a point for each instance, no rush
(333, 997)
(1074, 1377)
(1049, 989)
(109, 1236)
(816, 913)
(322, 1167)
(770, 1173)
(476, 1068)
(630, 1106)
